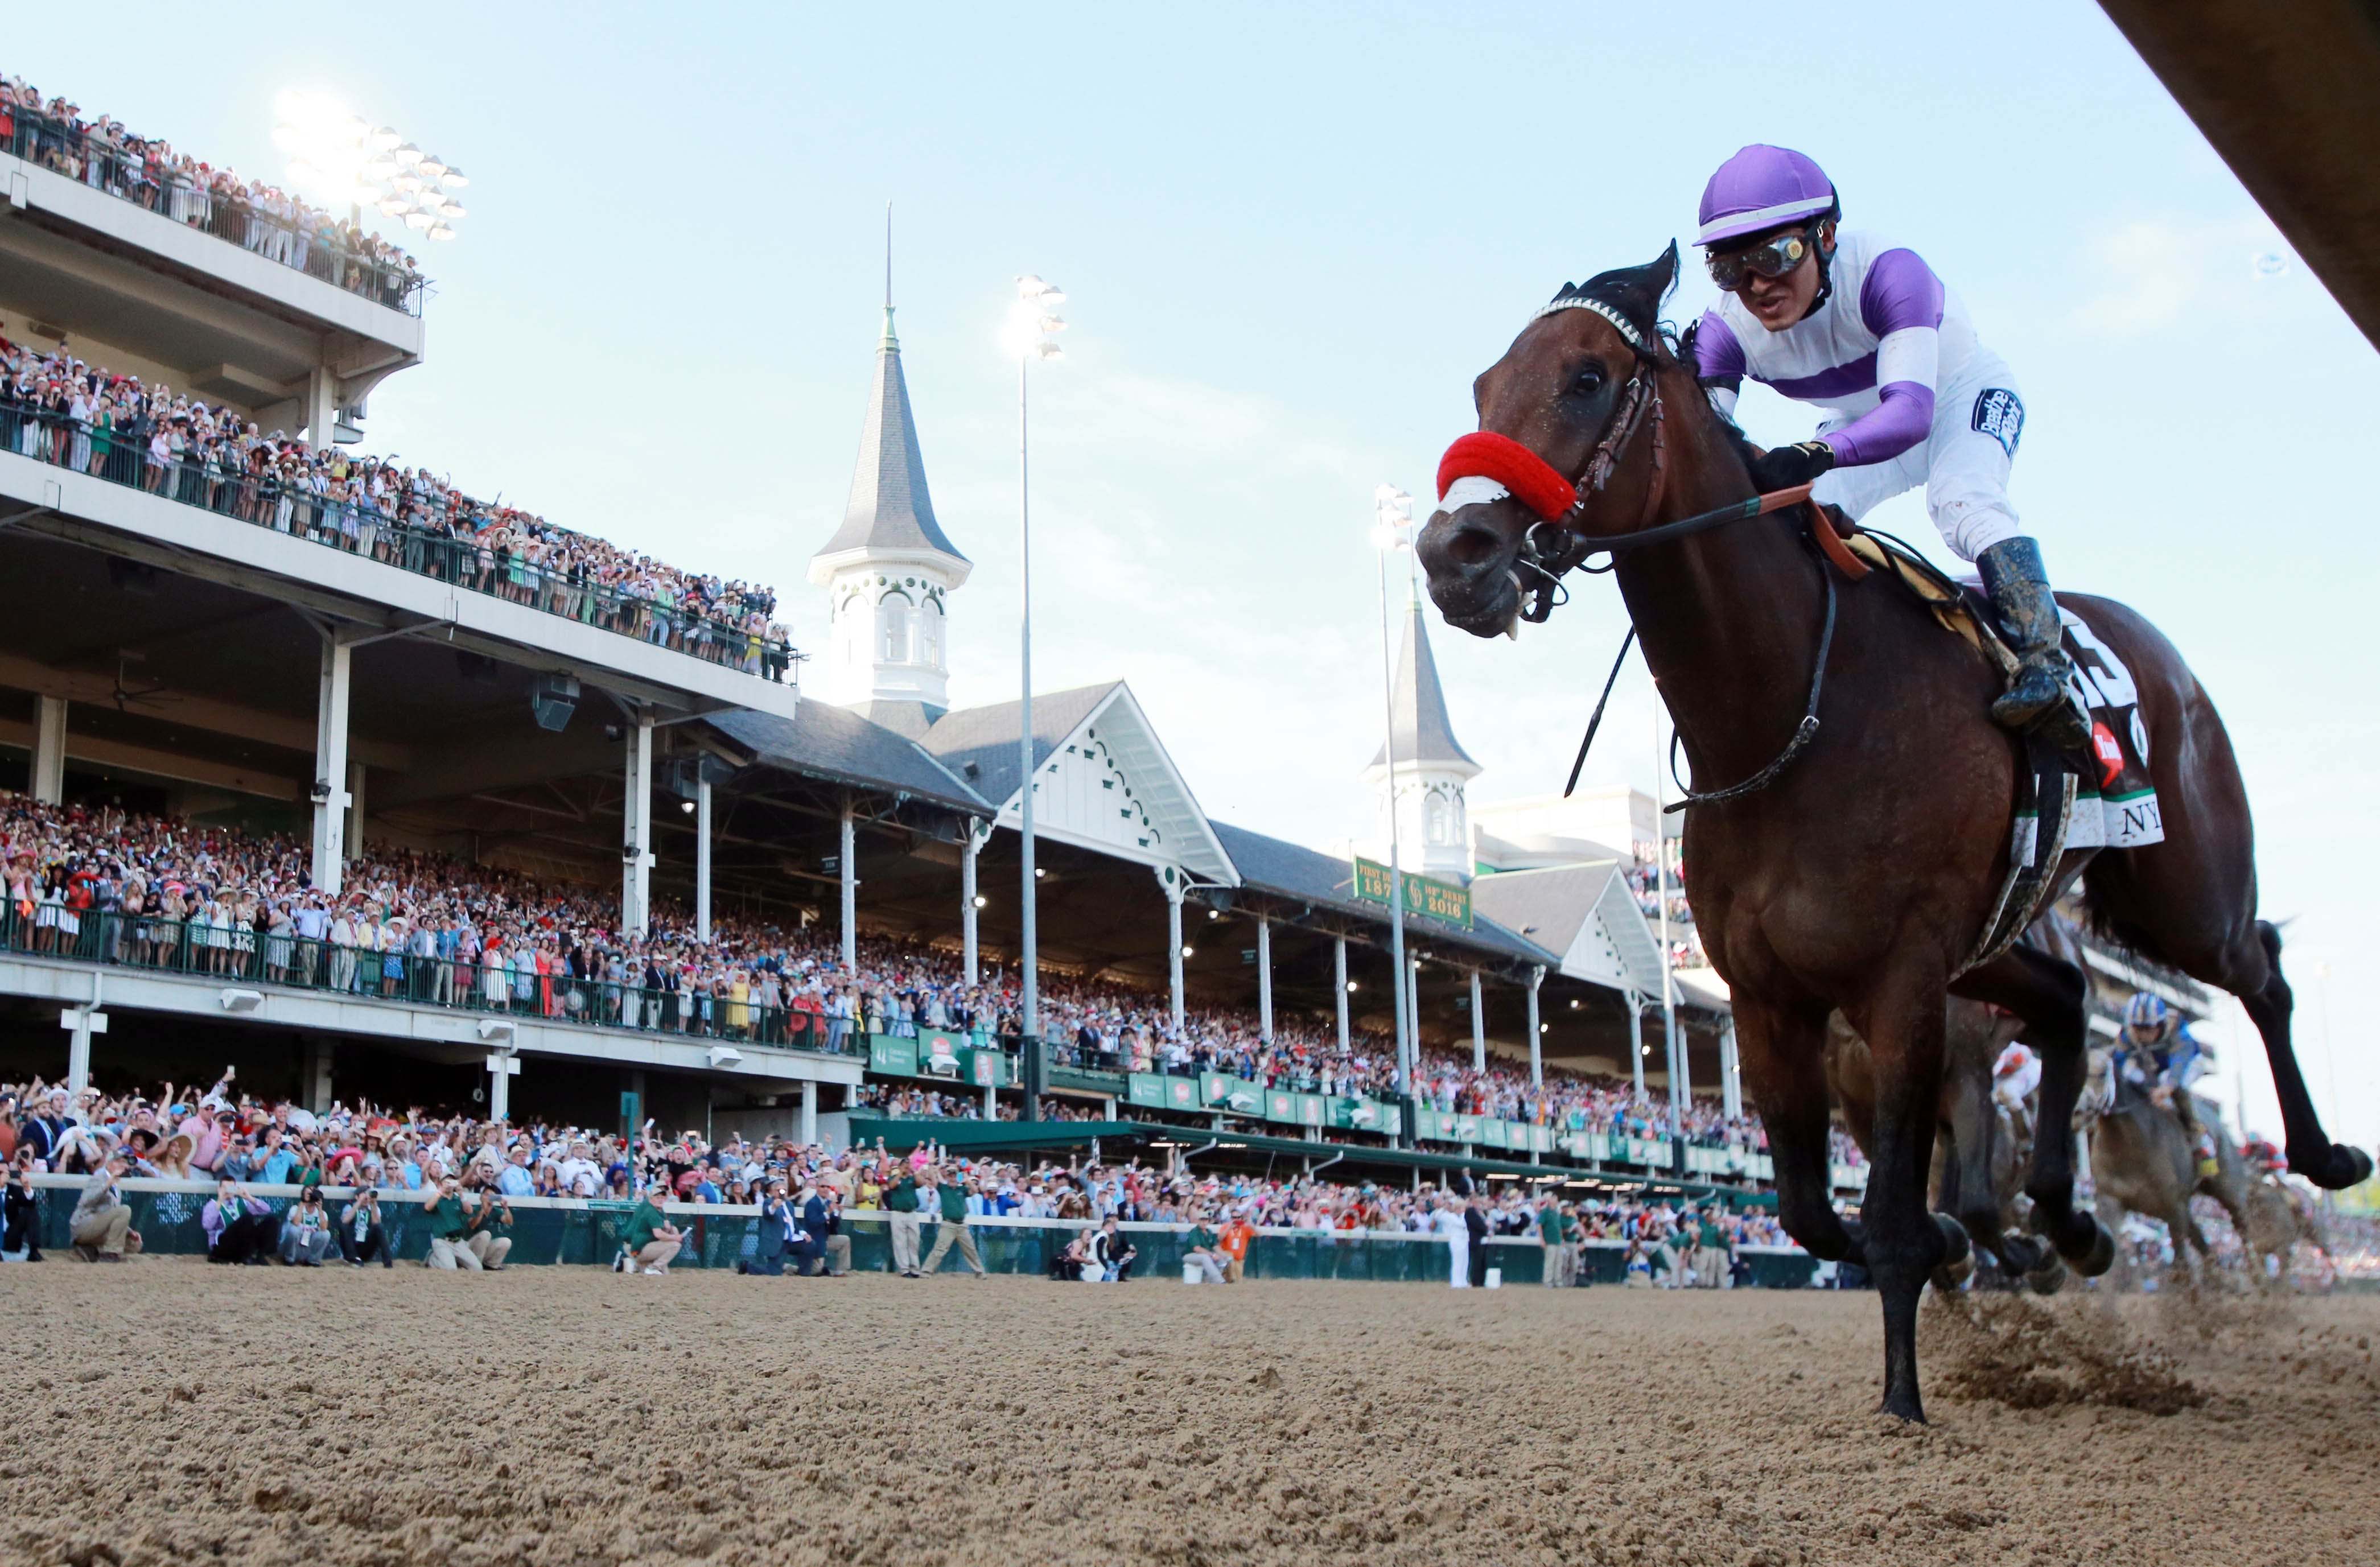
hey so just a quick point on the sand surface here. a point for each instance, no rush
(165, 1411)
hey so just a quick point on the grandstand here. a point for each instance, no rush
(248, 664)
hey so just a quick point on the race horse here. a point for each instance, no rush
(2145, 1160)
(1983, 1147)
(1862, 841)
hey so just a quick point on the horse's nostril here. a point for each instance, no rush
(1471, 546)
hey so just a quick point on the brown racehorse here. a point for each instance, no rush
(1862, 875)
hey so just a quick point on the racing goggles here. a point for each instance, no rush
(1773, 257)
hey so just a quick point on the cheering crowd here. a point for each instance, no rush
(57, 408)
(462, 1175)
(149, 891)
(147, 171)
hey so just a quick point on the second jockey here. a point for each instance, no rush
(2165, 1058)
(1866, 330)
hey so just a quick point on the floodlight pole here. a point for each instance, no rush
(1405, 1062)
(1029, 1042)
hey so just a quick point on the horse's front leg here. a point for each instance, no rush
(1783, 1049)
(1901, 1021)
(2049, 993)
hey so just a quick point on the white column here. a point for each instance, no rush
(809, 1113)
(1676, 1055)
(353, 838)
(637, 828)
(1339, 984)
(1264, 977)
(50, 750)
(1479, 1029)
(322, 399)
(331, 799)
(84, 1021)
(500, 1067)
(1172, 881)
(847, 866)
(1731, 1067)
(1536, 1029)
(701, 858)
(971, 954)
(1637, 1041)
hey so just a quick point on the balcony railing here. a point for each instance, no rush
(121, 455)
(239, 954)
(311, 243)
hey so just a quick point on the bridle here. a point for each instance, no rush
(1513, 469)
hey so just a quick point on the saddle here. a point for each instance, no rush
(2047, 778)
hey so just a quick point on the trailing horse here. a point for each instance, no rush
(1864, 839)
(2143, 1161)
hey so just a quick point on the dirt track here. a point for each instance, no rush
(173, 1412)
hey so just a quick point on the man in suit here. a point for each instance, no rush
(820, 1221)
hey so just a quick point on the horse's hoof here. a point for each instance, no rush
(2098, 1256)
(2047, 1279)
(1958, 1251)
(2020, 1253)
(2334, 1169)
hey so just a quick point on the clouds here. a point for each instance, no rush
(2148, 275)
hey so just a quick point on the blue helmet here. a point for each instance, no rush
(2147, 1018)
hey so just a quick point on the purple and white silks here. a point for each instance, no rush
(1878, 363)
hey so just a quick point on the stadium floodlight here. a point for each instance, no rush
(453, 179)
(1026, 338)
(341, 159)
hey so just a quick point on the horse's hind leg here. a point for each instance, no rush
(1783, 1053)
(2048, 992)
(2312, 1153)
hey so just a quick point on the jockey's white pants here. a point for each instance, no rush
(1962, 464)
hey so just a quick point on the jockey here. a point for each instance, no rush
(2166, 1058)
(1865, 331)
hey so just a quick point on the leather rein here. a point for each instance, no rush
(1572, 547)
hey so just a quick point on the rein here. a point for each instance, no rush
(1539, 486)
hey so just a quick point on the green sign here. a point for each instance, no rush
(890, 1053)
(986, 1068)
(1145, 1088)
(1181, 1093)
(1224, 1091)
(1425, 895)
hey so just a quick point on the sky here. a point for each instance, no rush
(1290, 236)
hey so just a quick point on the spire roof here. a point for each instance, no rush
(888, 508)
(1423, 733)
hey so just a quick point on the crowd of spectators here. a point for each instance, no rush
(58, 408)
(147, 171)
(151, 891)
(463, 1175)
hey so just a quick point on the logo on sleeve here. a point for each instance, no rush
(2000, 416)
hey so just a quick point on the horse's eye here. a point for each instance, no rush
(1590, 381)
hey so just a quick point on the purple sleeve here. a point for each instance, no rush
(1717, 355)
(1901, 291)
(1900, 294)
(1894, 425)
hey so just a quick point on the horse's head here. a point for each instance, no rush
(1557, 413)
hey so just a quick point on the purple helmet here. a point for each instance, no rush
(1762, 187)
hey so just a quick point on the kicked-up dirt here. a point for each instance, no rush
(168, 1411)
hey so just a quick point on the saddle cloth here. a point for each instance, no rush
(2059, 806)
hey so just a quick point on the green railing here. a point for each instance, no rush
(232, 954)
(555, 1229)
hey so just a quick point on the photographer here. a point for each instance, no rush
(360, 1235)
(102, 1224)
(491, 1215)
(820, 1218)
(240, 1229)
(442, 1211)
(306, 1231)
(650, 1240)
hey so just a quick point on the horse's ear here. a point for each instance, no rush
(1661, 274)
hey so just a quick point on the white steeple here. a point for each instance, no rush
(888, 570)
(1431, 819)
